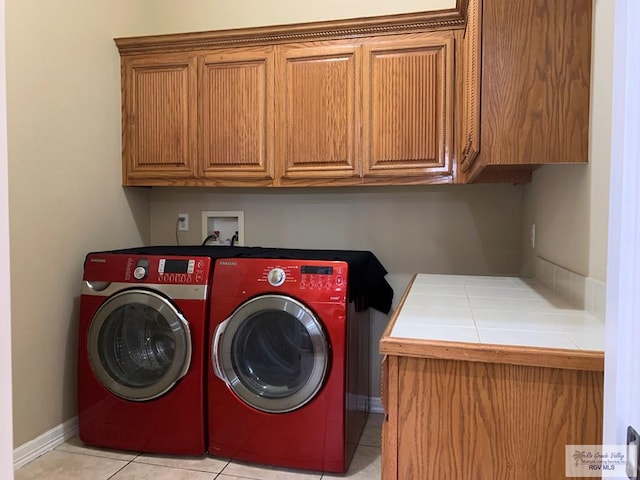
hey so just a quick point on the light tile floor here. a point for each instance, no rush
(75, 461)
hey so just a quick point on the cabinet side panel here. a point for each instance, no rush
(390, 391)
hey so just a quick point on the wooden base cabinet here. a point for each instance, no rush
(470, 420)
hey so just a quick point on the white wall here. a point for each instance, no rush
(169, 16)
(569, 203)
(472, 229)
(65, 194)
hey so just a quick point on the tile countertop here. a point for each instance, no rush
(495, 316)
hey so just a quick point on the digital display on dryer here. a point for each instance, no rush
(316, 270)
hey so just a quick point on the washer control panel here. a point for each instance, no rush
(182, 277)
(142, 269)
(161, 270)
(182, 270)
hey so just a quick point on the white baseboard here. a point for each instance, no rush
(47, 441)
(376, 405)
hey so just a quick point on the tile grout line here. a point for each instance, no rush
(473, 317)
(120, 469)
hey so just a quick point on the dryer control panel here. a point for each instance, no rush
(306, 276)
(276, 276)
(320, 280)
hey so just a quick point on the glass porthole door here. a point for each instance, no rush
(139, 345)
(272, 352)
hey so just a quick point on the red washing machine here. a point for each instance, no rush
(289, 381)
(141, 352)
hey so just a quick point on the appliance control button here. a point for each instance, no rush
(139, 273)
(276, 276)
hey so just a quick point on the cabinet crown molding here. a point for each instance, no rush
(351, 28)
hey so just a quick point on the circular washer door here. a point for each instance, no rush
(273, 353)
(139, 345)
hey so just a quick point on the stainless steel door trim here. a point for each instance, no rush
(179, 327)
(215, 351)
(313, 327)
(171, 290)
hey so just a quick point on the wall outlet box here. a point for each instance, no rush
(229, 224)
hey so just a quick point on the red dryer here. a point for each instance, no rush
(141, 352)
(288, 383)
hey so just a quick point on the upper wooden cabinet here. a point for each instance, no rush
(348, 102)
(533, 87)
(365, 111)
(159, 119)
(408, 106)
(317, 100)
(486, 91)
(236, 115)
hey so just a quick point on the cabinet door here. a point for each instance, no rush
(536, 64)
(159, 119)
(318, 111)
(407, 105)
(236, 116)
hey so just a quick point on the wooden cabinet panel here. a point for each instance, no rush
(535, 84)
(407, 105)
(486, 421)
(159, 118)
(318, 110)
(470, 64)
(236, 114)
